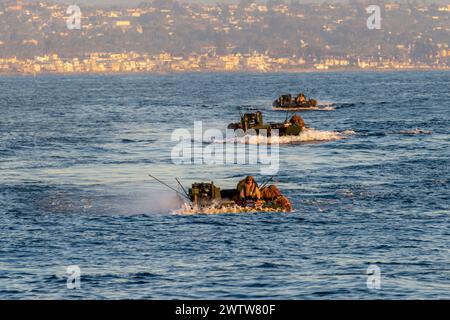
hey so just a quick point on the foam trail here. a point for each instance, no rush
(307, 135)
(326, 103)
(186, 209)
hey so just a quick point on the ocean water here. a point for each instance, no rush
(369, 184)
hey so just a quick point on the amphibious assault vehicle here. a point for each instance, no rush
(255, 121)
(207, 195)
(301, 102)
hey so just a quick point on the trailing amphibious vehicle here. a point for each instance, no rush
(301, 102)
(208, 195)
(248, 196)
(254, 121)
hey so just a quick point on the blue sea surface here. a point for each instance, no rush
(76, 151)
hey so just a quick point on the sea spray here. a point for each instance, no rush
(307, 135)
(159, 202)
(187, 209)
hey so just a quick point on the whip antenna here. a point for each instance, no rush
(170, 187)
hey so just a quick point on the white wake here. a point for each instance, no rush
(307, 135)
(187, 209)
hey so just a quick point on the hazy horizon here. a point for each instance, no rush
(135, 2)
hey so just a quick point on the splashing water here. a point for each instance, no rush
(318, 108)
(187, 209)
(307, 135)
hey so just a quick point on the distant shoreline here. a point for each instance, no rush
(310, 70)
